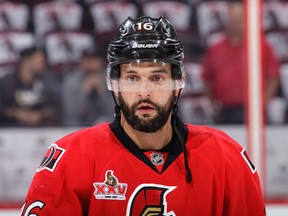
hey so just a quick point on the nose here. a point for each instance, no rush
(144, 90)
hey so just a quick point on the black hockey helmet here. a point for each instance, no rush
(145, 39)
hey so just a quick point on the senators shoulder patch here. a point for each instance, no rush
(51, 158)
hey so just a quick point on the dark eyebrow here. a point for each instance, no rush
(130, 71)
(154, 71)
(160, 71)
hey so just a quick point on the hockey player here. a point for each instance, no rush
(146, 162)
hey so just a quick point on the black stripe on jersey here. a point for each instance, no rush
(174, 145)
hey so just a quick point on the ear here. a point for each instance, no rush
(176, 92)
(180, 85)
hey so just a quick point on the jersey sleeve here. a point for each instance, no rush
(243, 194)
(61, 183)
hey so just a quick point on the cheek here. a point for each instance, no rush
(164, 97)
(129, 98)
(170, 99)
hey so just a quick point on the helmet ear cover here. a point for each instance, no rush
(176, 72)
(115, 72)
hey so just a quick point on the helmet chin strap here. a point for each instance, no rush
(181, 139)
(117, 113)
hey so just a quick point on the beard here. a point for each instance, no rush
(147, 124)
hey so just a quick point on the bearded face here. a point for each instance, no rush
(147, 123)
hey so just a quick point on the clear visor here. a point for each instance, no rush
(145, 76)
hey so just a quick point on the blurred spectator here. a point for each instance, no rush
(223, 71)
(28, 96)
(85, 100)
(194, 106)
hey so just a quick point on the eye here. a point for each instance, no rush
(132, 79)
(157, 79)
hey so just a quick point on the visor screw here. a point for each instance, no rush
(123, 30)
(153, 55)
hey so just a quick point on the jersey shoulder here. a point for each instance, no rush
(212, 137)
(218, 146)
(85, 136)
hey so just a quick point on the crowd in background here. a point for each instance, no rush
(53, 59)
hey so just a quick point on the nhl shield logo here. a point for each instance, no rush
(157, 158)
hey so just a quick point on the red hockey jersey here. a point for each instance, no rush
(101, 171)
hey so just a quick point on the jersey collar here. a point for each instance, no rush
(174, 146)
